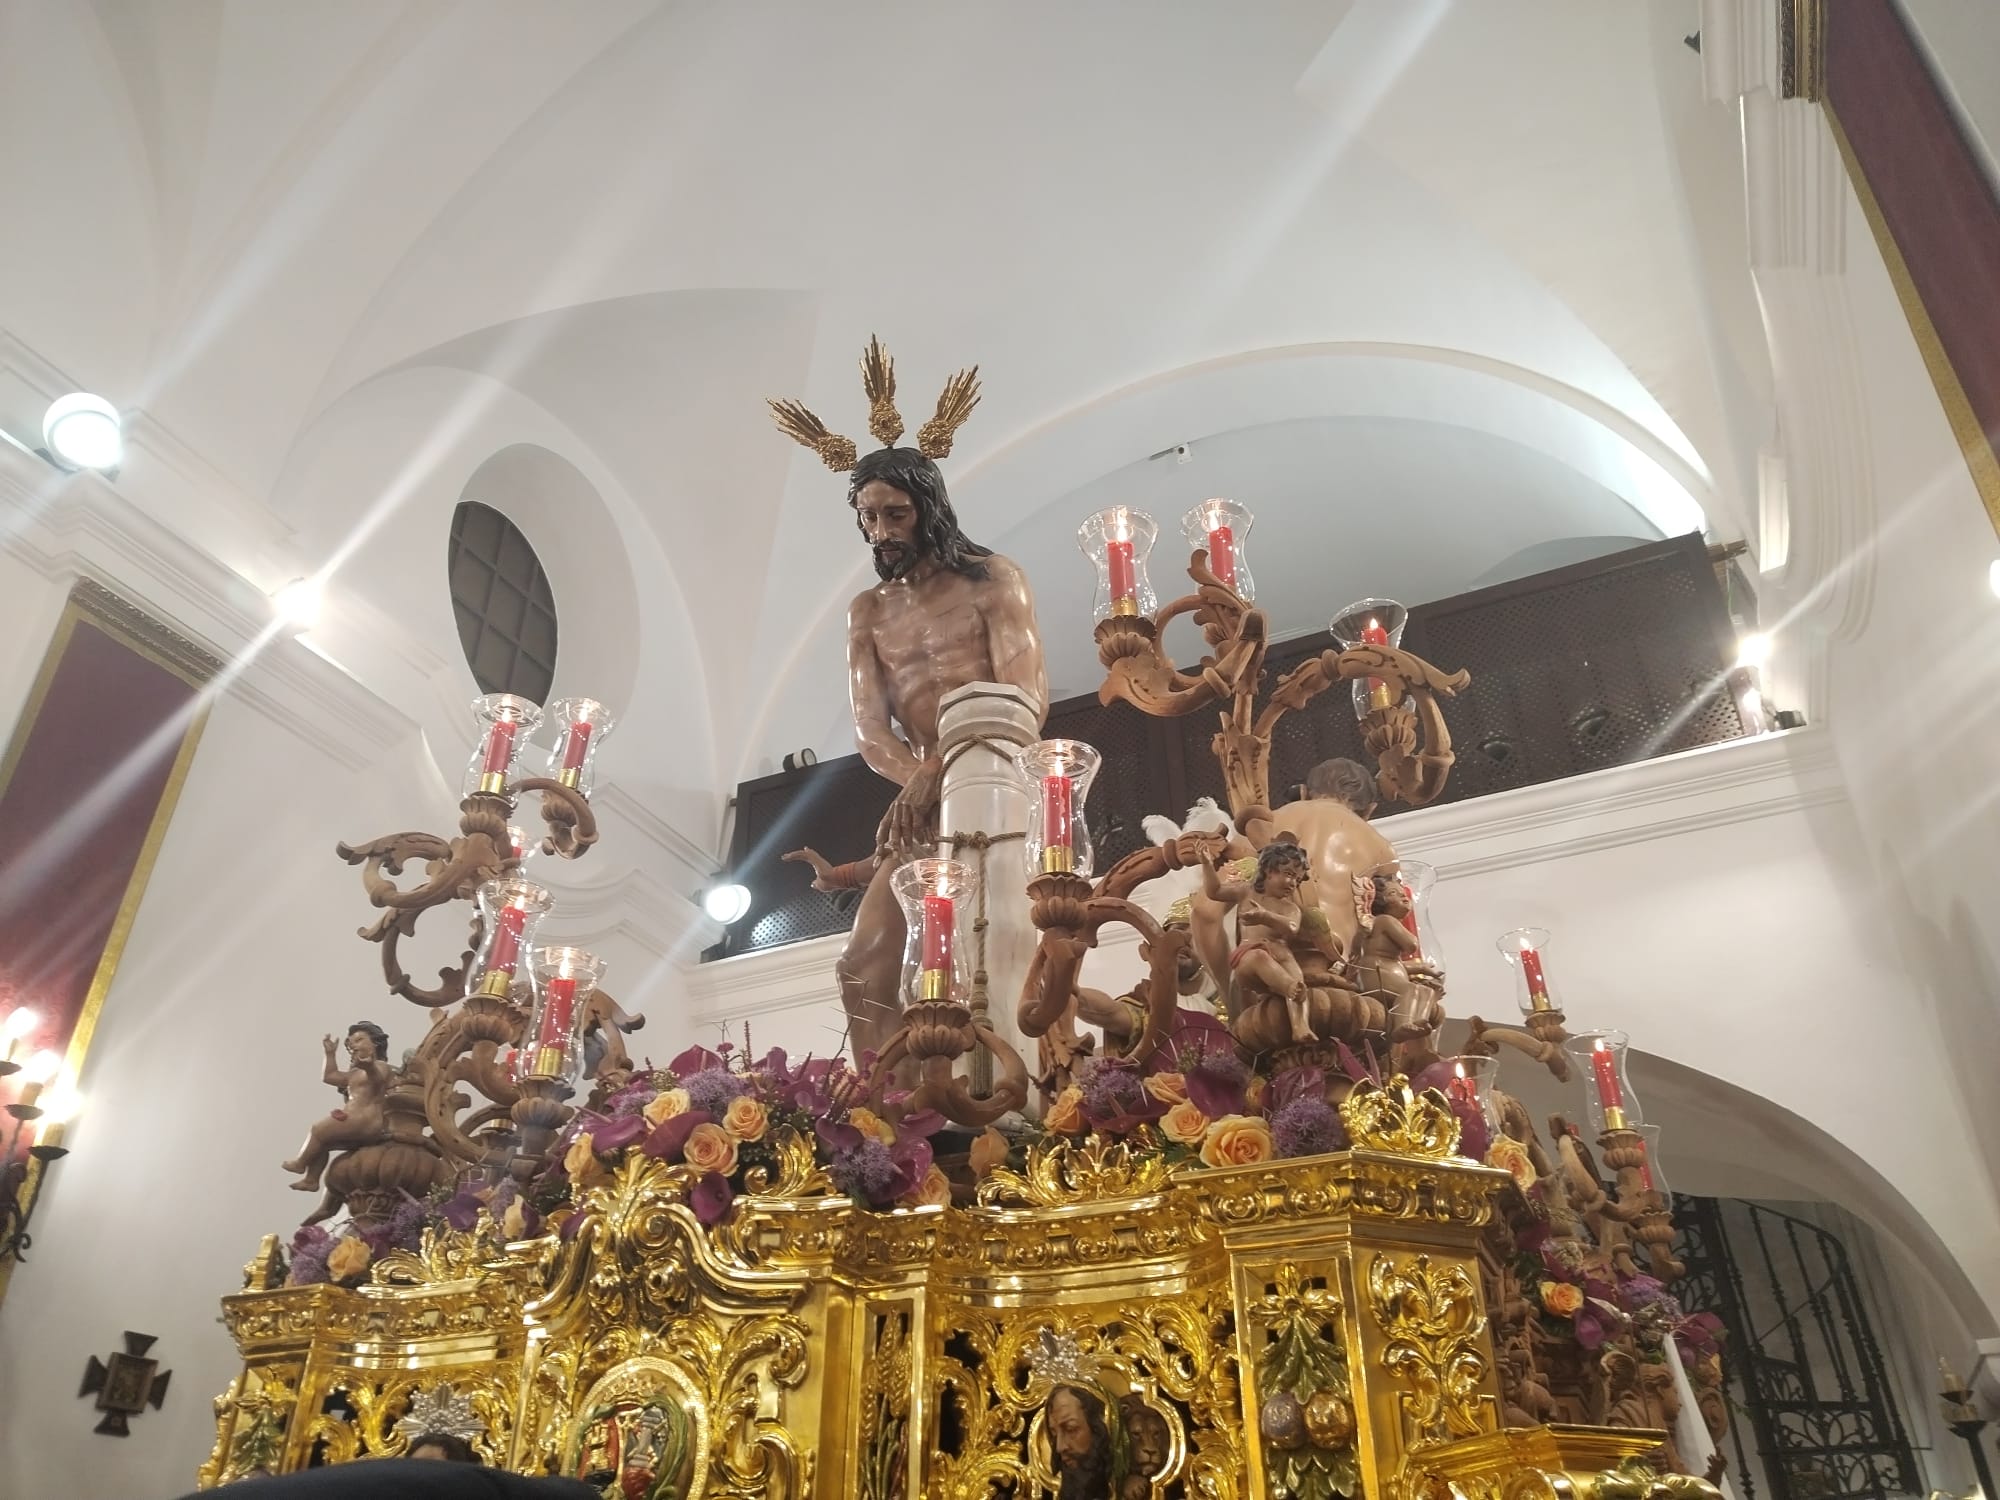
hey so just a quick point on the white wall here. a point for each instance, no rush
(203, 1073)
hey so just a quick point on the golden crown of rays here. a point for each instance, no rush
(878, 379)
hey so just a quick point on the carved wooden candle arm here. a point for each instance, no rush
(454, 871)
(1412, 748)
(1069, 911)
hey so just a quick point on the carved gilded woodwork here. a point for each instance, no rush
(1315, 1327)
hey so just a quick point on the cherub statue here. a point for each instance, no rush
(1388, 961)
(1272, 917)
(362, 1084)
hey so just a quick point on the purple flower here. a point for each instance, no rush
(1307, 1126)
(694, 1060)
(615, 1135)
(1215, 1084)
(309, 1251)
(461, 1211)
(1115, 1097)
(867, 1173)
(921, 1125)
(711, 1090)
(711, 1198)
(633, 1098)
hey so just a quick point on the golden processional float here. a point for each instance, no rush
(1280, 1248)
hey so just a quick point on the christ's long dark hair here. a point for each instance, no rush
(1089, 1479)
(938, 535)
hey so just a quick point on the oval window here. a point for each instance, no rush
(501, 598)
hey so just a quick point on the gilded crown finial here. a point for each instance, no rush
(878, 380)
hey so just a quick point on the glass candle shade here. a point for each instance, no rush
(552, 1046)
(1469, 1087)
(1370, 622)
(935, 895)
(1651, 1176)
(581, 725)
(1526, 951)
(1058, 774)
(1600, 1056)
(505, 724)
(1118, 542)
(1413, 882)
(521, 844)
(512, 909)
(1221, 528)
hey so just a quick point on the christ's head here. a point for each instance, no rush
(904, 513)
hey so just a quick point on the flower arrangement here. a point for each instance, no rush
(724, 1117)
(1578, 1294)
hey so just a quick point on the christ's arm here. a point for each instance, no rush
(1013, 636)
(868, 696)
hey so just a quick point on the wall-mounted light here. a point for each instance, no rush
(727, 902)
(1753, 650)
(798, 760)
(1993, 577)
(82, 431)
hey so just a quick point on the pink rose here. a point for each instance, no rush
(1237, 1141)
(710, 1148)
(1168, 1088)
(746, 1118)
(1185, 1123)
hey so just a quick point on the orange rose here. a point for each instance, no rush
(869, 1123)
(514, 1222)
(1237, 1141)
(663, 1107)
(710, 1148)
(1562, 1299)
(933, 1191)
(1254, 1093)
(348, 1258)
(581, 1162)
(746, 1119)
(1065, 1115)
(1185, 1123)
(1512, 1156)
(988, 1152)
(1168, 1088)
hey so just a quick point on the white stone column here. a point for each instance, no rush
(980, 727)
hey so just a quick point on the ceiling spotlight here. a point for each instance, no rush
(1993, 578)
(82, 432)
(798, 760)
(298, 602)
(726, 903)
(1753, 650)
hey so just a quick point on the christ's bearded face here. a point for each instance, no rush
(888, 519)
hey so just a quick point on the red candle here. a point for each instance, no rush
(1645, 1168)
(1538, 984)
(1222, 553)
(576, 746)
(1124, 578)
(1372, 634)
(556, 1013)
(506, 953)
(499, 748)
(1058, 811)
(935, 981)
(1604, 1064)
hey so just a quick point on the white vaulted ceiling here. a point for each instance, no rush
(1419, 281)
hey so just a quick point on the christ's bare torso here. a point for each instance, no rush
(925, 637)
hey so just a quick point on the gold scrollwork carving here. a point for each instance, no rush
(1393, 1117)
(1062, 1172)
(1435, 1326)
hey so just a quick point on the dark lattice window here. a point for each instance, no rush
(506, 613)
